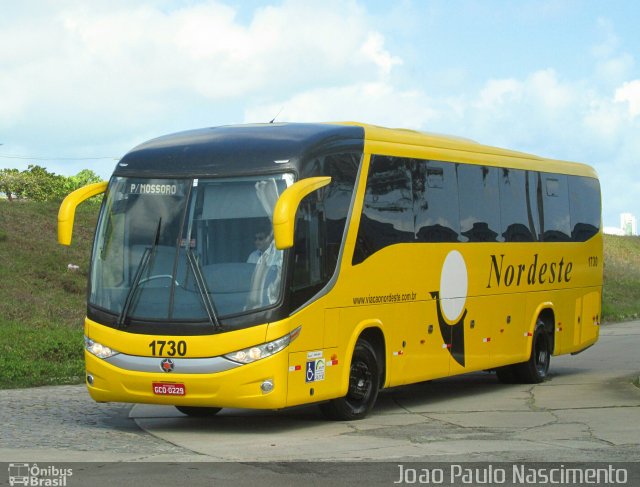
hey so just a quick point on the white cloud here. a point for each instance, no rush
(553, 95)
(540, 113)
(130, 65)
(497, 93)
(610, 41)
(612, 64)
(630, 93)
(95, 78)
(375, 102)
(373, 49)
(616, 68)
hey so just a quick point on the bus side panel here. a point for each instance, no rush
(331, 327)
(509, 326)
(591, 309)
(425, 355)
(478, 339)
(313, 376)
(576, 317)
(565, 318)
(315, 361)
(577, 323)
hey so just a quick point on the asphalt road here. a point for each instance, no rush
(589, 410)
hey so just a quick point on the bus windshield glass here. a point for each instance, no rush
(187, 250)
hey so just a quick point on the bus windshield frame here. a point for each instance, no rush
(188, 251)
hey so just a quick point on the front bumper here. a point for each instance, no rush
(238, 386)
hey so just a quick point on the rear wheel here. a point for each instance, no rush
(364, 384)
(535, 370)
(198, 412)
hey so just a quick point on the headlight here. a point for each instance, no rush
(251, 354)
(98, 349)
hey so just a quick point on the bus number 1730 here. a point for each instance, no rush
(173, 348)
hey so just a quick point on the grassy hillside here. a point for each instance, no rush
(42, 303)
(621, 299)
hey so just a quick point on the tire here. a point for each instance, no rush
(536, 369)
(364, 384)
(198, 412)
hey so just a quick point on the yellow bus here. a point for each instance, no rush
(268, 266)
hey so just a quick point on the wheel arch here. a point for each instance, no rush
(375, 337)
(371, 331)
(545, 313)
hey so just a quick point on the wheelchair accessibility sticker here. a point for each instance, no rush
(315, 370)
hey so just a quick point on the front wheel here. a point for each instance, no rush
(364, 384)
(198, 412)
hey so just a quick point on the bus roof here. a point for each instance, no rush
(280, 147)
(238, 149)
(412, 143)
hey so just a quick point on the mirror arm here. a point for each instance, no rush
(284, 213)
(67, 212)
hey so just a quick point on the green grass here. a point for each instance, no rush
(42, 303)
(621, 295)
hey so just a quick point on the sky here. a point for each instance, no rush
(82, 83)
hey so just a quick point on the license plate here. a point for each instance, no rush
(165, 389)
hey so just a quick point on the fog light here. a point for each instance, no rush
(267, 386)
(89, 379)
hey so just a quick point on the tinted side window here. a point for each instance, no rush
(584, 199)
(320, 224)
(387, 213)
(555, 204)
(308, 259)
(479, 203)
(343, 169)
(516, 215)
(437, 218)
(533, 190)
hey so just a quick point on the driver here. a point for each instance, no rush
(261, 241)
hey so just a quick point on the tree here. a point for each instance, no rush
(42, 185)
(37, 184)
(84, 177)
(12, 183)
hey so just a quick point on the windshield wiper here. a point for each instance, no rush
(144, 263)
(203, 290)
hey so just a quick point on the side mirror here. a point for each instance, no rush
(67, 212)
(284, 213)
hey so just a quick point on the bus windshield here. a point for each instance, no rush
(187, 250)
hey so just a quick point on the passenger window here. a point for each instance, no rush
(553, 187)
(516, 214)
(479, 203)
(437, 218)
(556, 224)
(387, 213)
(584, 200)
(533, 190)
